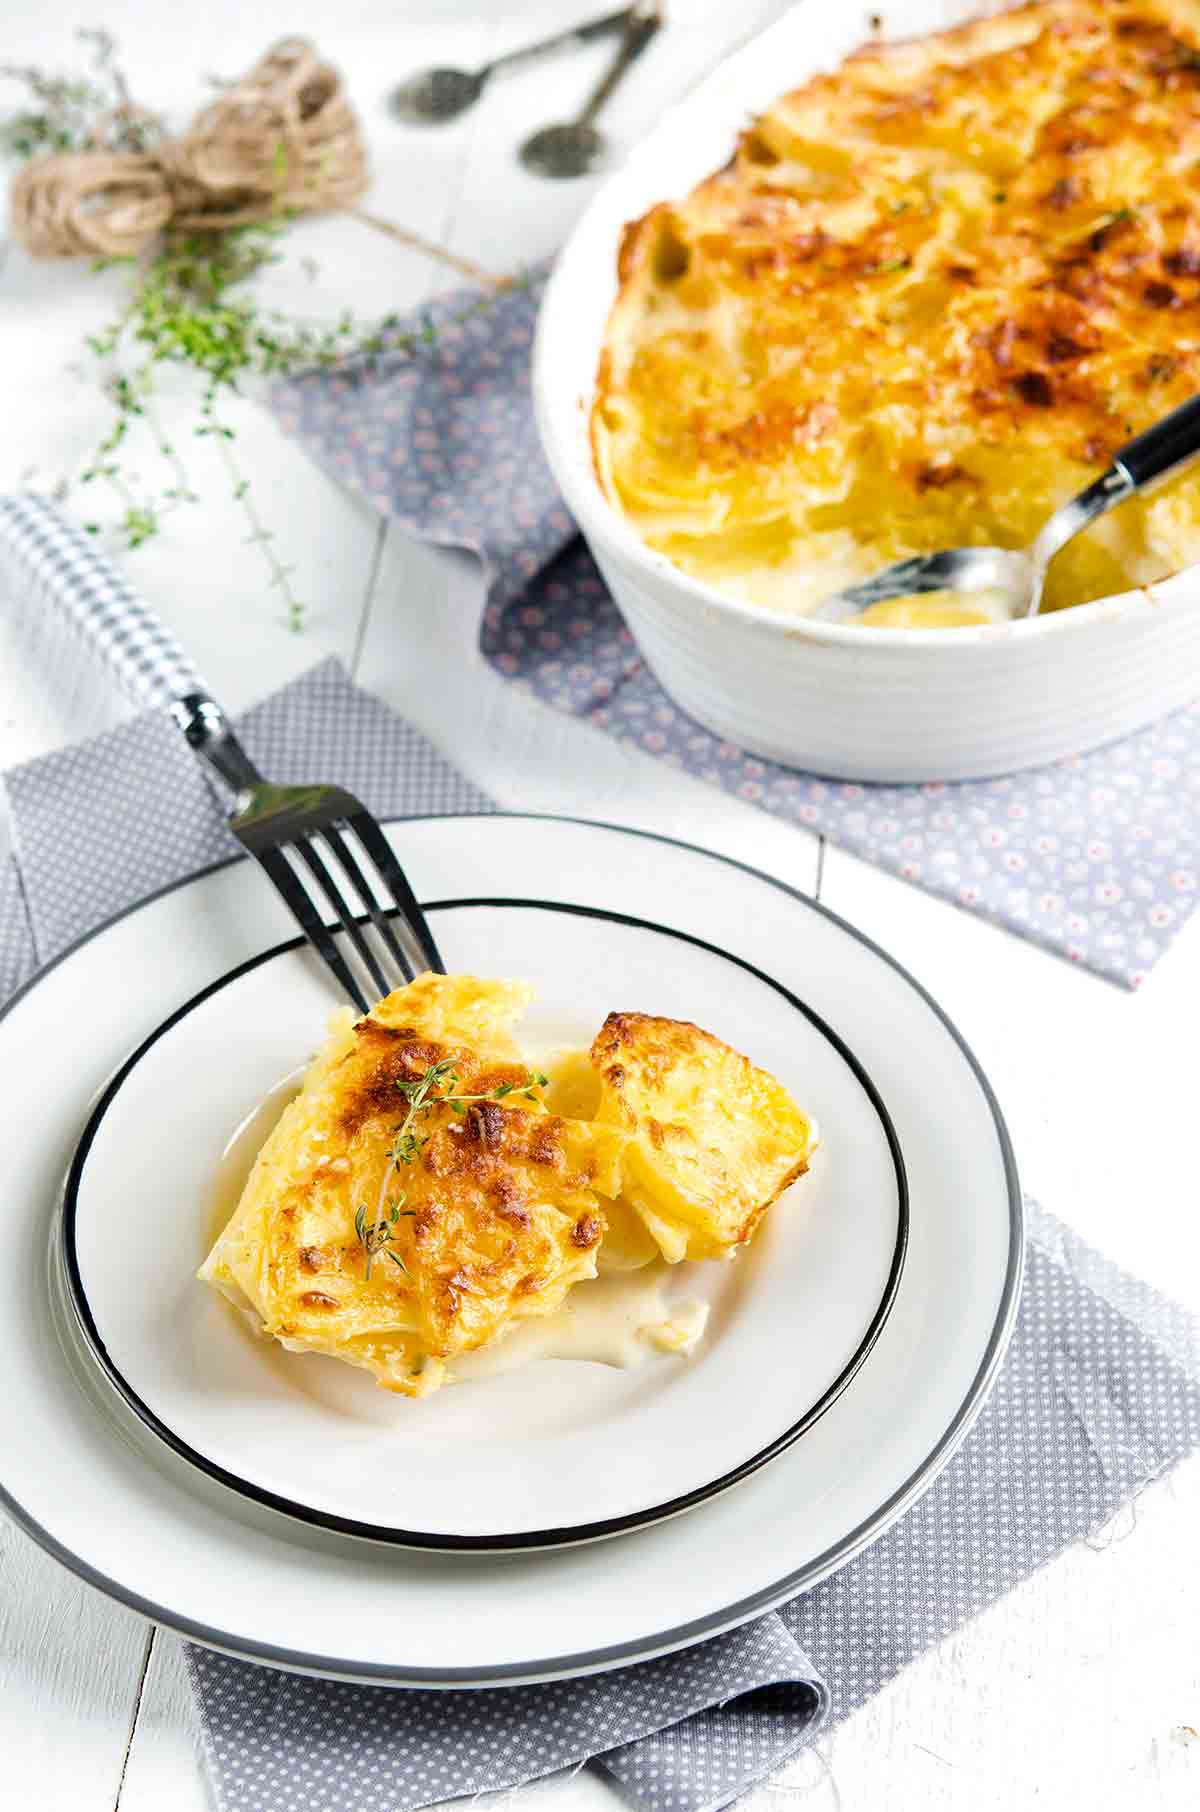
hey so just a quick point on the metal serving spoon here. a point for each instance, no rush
(577, 146)
(432, 96)
(1019, 573)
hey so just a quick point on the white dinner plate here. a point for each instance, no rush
(558, 1451)
(88, 1480)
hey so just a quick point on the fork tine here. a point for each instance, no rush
(358, 881)
(329, 887)
(412, 923)
(290, 889)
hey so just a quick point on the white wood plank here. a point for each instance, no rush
(1076, 1690)
(164, 1772)
(535, 214)
(420, 654)
(199, 572)
(1091, 1660)
(1097, 1084)
(70, 1663)
(420, 649)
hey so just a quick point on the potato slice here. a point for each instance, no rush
(713, 1140)
(495, 1217)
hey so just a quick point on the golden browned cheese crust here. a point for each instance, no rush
(713, 1140)
(927, 300)
(497, 1216)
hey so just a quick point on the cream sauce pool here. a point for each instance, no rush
(937, 610)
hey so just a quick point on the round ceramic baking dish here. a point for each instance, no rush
(865, 704)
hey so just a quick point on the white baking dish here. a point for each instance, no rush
(879, 704)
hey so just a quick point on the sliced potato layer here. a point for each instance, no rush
(713, 1140)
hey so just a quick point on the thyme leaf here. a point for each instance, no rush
(438, 1086)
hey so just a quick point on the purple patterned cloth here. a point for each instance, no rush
(1094, 858)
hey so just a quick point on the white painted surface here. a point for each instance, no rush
(1081, 1688)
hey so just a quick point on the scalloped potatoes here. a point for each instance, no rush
(496, 1219)
(926, 301)
(495, 1191)
(713, 1140)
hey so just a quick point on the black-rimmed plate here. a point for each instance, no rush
(81, 1474)
(560, 1450)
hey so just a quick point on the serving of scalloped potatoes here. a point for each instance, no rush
(713, 1140)
(427, 1193)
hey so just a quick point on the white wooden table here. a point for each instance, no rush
(1082, 1689)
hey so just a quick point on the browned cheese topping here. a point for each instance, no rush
(928, 299)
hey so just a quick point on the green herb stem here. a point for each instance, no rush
(190, 306)
(422, 1096)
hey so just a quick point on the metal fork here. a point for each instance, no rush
(291, 829)
(303, 837)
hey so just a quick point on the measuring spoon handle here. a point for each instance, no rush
(575, 34)
(641, 28)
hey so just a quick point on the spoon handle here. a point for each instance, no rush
(638, 33)
(1163, 448)
(575, 34)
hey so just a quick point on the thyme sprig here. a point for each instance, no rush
(422, 1096)
(190, 306)
(89, 112)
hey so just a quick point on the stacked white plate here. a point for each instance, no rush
(559, 1519)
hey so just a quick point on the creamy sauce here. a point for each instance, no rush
(795, 591)
(620, 1318)
(613, 1320)
(237, 1160)
(937, 610)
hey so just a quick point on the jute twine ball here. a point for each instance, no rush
(283, 140)
(102, 203)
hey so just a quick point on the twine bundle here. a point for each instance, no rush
(282, 140)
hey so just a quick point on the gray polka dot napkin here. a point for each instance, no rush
(104, 822)
(1099, 1393)
(1096, 858)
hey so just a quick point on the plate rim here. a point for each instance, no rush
(569, 1535)
(697, 1629)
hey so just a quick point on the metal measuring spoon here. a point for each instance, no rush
(432, 96)
(577, 146)
(1018, 574)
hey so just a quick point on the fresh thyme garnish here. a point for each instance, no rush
(422, 1095)
(88, 112)
(374, 1238)
(189, 307)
